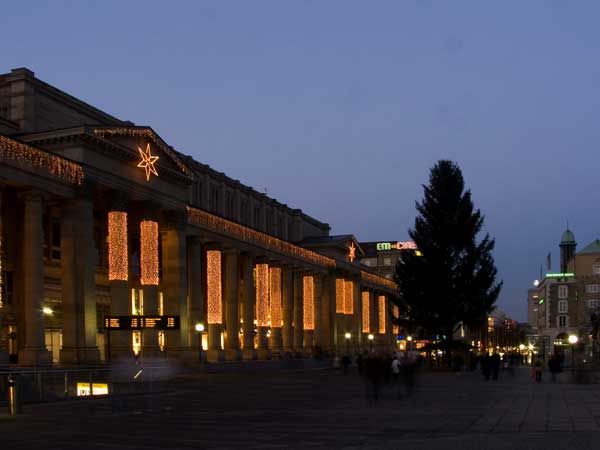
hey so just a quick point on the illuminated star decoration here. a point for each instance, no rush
(148, 161)
(351, 252)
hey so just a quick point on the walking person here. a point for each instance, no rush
(395, 368)
(538, 366)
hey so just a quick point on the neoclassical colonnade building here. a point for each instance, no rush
(102, 218)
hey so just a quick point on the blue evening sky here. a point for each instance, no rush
(341, 107)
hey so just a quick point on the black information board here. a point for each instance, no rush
(141, 322)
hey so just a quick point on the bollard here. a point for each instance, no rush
(14, 401)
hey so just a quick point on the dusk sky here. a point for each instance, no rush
(340, 108)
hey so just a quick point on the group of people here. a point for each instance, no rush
(554, 364)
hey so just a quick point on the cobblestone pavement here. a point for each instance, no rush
(321, 409)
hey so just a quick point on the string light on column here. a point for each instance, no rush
(339, 295)
(309, 302)
(118, 262)
(214, 313)
(381, 311)
(366, 319)
(149, 252)
(262, 295)
(276, 311)
(349, 297)
(397, 316)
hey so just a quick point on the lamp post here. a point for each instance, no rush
(348, 336)
(370, 337)
(200, 329)
(409, 341)
(573, 340)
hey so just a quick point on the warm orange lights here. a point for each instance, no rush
(348, 297)
(366, 313)
(381, 311)
(276, 312)
(339, 295)
(148, 161)
(149, 252)
(17, 153)
(262, 295)
(377, 280)
(214, 314)
(118, 257)
(309, 302)
(396, 316)
(351, 252)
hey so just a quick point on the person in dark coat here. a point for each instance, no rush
(495, 365)
(486, 366)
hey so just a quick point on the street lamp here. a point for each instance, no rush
(371, 337)
(200, 328)
(573, 340)
(348, 336)
(409, 340)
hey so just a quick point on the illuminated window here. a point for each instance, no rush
(349, 297)
(563, 291)
(339, 295)
(381, 311)
(149, 252)
(275, 279)
(118, 261)
(309, 302)
(562, 306)
(366, 316)
(262, 295)
(213, 287)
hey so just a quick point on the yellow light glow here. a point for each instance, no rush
(573, 339)
(148, 161)
(347, 335)
(83, 389)
(47, 311)
(309, 302)
(377, 280)
(351, 252)
(366, 316)
(19, 154)
(339, 295)
(381, 314)
(149, 252)
(371, 337)
(276, 311)
(262, 295)
(118, 257)
(213, 287)
(397, 316)
(349, 297)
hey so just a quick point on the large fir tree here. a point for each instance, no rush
(453, 280)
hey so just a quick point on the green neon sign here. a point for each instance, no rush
(541, 301)
(560, 275)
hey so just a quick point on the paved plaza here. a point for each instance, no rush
(321, 409)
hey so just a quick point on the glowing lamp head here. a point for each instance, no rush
(199, 327)
(409, 338)
(573, 339)
(536, 283)
(347, 335)
(371, 337)
(47, 311)
(522, 347)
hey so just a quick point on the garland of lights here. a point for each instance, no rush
(375, 279)
(381, 311)
(397, 316)
(146, 133)
(308, 290)
(366, 319)
(57, 166)
(213, 287)
(339, 295)
(204, 219)
(262, 295)
(118, 262)
(349, 297)
(276, 310)
(149, 252)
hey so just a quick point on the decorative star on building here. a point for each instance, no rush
(148, 161)
(351, 252)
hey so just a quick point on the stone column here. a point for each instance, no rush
(328, 311)
(319, 332)
(195, 293)
(249, 304)
(230, 293)
(287, 308)
(298, 312)
(34, 350)
(214, 304)
(78, 269)
(175, 288)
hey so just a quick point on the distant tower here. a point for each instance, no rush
(567, 250)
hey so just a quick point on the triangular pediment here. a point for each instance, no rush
(153, 153)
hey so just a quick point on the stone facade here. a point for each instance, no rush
(101, 217)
